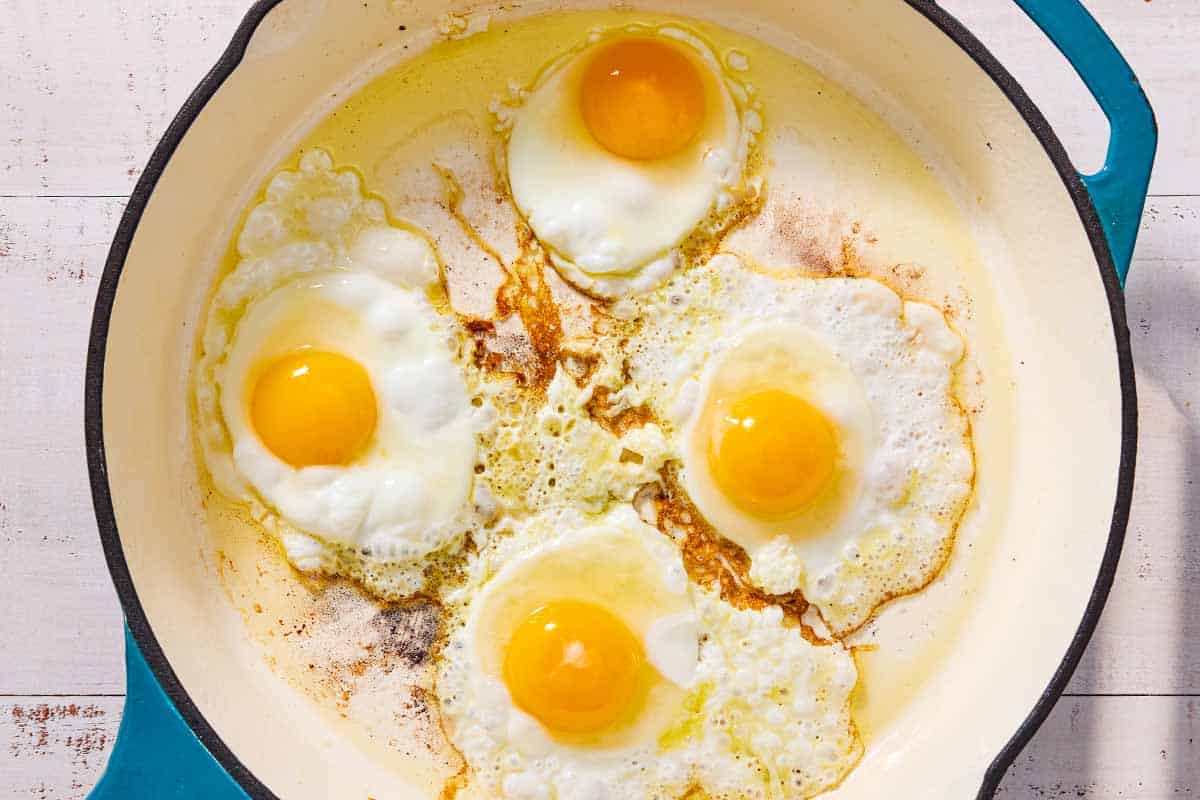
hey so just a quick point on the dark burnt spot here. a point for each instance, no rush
(484, 357)
(408, 630)
(479, 327)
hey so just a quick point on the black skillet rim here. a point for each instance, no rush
(93, 393)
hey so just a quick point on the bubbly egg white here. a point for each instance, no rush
(754, 711)
(321, 266)
(914, 478)
(770, 712)
(550, 451)
(613, 225)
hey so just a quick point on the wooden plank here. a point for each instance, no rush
(1096, 748)
(55, 748)
(89, 87)
(65, 634)
(1100, 748)
(1159, 39)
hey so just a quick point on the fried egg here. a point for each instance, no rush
(581, 663)
(329, 389)
(622, 149)
(568, 663)
(817, 427)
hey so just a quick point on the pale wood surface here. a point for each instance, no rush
(86, 88)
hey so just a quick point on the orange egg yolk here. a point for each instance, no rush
(574, 666)
(642, 98)
(314, 408)
(772, 452)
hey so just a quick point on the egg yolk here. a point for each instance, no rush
(772, 452)
(314, 408)
(573, 666)
(642, 98)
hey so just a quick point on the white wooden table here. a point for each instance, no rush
(86, 88)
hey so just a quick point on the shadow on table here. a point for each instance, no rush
(1164, 319)
(1090, 747)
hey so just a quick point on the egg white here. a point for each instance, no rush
(394, 501)
(750, 708)
(615, 561)
(613, 225)
(771, 713)
(884, 374)
(321, 266)
(549, 451)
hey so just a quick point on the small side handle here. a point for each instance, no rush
(1118, 190)
(157, 757)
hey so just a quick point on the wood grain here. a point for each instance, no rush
(86, 88)
(67, 631)
(1101, 748)
(1096, 748)
(54, 748)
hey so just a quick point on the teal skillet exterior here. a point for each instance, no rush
(1118, 190)
(158, 755)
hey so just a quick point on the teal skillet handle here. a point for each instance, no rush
(157, 757)
(1118, 190)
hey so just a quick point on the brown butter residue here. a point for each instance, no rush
(616, 421)
(525, 293)
(713, 561)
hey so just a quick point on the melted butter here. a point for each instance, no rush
(850, 196)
